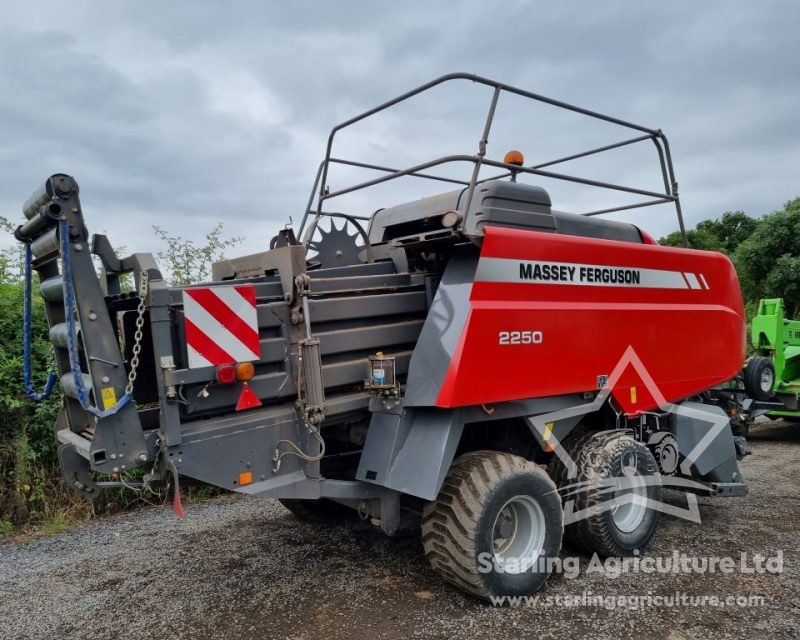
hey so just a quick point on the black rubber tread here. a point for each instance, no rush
(572, 444)
(594, 534)
(320, 511)
(752, 378)
(454, 524)
(593, 453)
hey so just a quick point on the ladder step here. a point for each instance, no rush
(58, 334)
(68, 385)
(53, 289)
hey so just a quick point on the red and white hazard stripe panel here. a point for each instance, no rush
(221, 325)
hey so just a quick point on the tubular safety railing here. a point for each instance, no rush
(323, 193)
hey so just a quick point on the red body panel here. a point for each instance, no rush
(688, 335)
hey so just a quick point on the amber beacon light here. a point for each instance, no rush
(514, 157)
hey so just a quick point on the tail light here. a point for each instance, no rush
(226, 373)
(245, 371)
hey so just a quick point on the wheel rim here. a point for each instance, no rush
(767, 380)
(629, 507)
(518, 534)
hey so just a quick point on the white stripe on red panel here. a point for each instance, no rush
(692, 279)
(221, 325)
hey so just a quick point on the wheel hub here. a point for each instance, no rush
(766, 380)
(629, 507)
(518, 534)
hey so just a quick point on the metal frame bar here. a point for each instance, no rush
(637, 205)
(575, 156)
(364, 165)
(502, 165)
(656, 135)
(376, 167)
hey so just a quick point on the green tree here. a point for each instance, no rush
(27, 446)
(697, 239)
(733, 228)
(768, 262)
(724, 234)
(187, 262)
(11, 258)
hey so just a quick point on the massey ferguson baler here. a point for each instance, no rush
(508, 373)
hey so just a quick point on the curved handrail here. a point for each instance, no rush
(656, 135)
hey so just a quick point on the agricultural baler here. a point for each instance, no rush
(474, 360)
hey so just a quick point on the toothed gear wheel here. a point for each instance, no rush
(335, 246)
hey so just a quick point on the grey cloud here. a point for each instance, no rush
(182, 114)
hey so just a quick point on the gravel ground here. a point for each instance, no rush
(244, 568)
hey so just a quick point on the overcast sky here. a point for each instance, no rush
(183, 114)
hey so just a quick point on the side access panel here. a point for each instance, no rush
(713, 458)
(553, 314)
(442, 332)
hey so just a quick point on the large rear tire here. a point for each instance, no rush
(759, 378)
(610, 522)
(494, 526)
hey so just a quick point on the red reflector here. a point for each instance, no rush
(247, 399)
(226, 373)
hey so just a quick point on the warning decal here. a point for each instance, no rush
(221, 325)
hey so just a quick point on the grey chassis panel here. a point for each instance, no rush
(441, 332)
(717, 461)
(244, 443)
(410, 450)
(217, 451)
(297, 486)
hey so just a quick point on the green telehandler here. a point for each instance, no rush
(772, 374)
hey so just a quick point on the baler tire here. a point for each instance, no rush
(753, 375)
(320, 511)
(597, 456)
(572, 444)
(461, 528)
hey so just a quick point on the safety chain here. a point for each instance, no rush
(144, 283)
